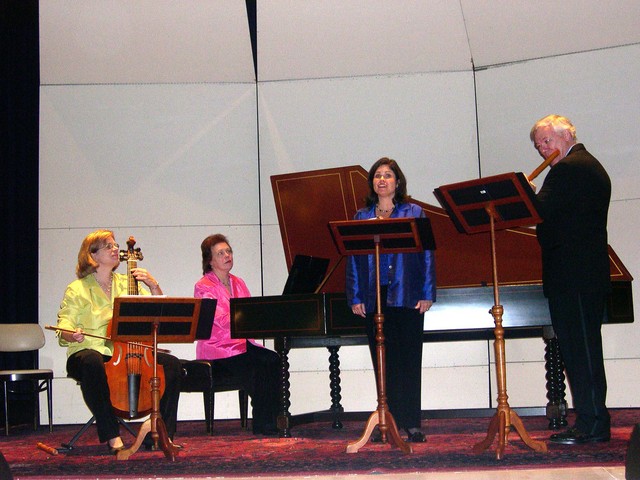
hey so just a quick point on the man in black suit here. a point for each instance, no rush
(573, 203)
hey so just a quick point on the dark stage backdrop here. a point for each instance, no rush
(19, 116)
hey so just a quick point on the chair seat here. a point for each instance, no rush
(17, 375)
(207, 377)
(199, 375)
(196, 376)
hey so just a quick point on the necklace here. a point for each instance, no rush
(384, 211)
(226, 282)
(105, 287)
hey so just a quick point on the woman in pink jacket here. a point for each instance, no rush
(257, 365)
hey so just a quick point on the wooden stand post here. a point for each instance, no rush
(154, 424)
(483, 205)
(504, 417)
(138, 319)
(382, 416)
(376, 236)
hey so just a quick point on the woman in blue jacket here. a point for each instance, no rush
(408, 289)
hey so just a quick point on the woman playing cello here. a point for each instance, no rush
(87, 307)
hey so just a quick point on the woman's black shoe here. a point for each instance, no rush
(114, 450)
(416, 436)
(376, 436)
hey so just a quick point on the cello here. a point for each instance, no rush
(132, 363)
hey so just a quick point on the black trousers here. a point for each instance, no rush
(259, 368)
(577, 321)
(403, 329)
(87, 367)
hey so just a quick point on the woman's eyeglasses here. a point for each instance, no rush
(223, 252)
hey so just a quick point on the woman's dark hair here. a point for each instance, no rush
(401, 182)
(206, 246)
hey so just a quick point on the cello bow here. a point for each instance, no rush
(91, 335)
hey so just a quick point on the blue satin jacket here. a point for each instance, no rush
(409, 276)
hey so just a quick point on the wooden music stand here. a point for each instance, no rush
(365, 237)
(160, 320)
(490, 204)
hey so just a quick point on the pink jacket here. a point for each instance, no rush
(220, 345)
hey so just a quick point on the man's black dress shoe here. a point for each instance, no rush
(267, 431)
(573, 436)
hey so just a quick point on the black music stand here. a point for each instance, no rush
(365, 237)
(490, 204)
(160, 320)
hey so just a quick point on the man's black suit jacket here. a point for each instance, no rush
(574, 203)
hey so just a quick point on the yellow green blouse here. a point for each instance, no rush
(85, 305)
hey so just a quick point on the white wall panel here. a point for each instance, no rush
(522, 349)
(170, 41)
(146, 41)
(504, 31)
(333, 38)
(148, 155)
(623, 384)
(455, 387)
(525, 384)
(66, 392)
(425, 122)
(455, 354)
(596, 90)
(310, 391)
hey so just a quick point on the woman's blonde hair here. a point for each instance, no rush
(91, 244)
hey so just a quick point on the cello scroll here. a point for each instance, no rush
(131, 256)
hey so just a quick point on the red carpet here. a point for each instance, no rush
(314, 449)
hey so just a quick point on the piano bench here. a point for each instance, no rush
(203, 376)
